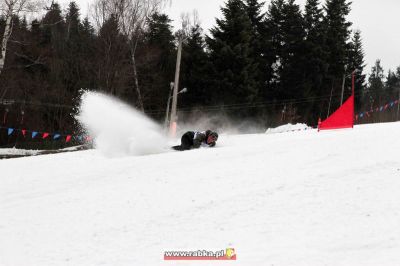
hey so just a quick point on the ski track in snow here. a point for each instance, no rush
(297, 198)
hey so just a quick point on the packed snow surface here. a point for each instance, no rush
(298, 198)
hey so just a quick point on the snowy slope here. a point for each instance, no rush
(298, 198)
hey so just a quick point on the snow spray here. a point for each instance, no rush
(118, 129)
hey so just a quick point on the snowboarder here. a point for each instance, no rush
(193, 140)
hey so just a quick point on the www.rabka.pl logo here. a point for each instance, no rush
(227, 254)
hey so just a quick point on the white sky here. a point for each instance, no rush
(377, 20)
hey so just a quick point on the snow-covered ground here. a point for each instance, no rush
(297, 198)
(18, 152)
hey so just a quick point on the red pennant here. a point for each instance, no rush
(68, 138)
(342, 118)
(45, 135)
(23, 132)
(88, 138)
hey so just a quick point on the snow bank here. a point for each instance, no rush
(18, 152)
(118, 129)
(287, 128)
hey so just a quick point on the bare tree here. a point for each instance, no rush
(132, 17)
(9, 9)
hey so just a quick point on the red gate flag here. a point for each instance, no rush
(344, 116)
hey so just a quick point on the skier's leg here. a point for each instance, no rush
(186, 141)
(177, 148)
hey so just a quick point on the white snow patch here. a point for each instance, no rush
(288, 128)
(18, 152)
(118, 129)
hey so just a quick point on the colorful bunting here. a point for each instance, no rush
(377, 109)
(56, 136)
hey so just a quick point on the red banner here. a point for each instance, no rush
(342, 118)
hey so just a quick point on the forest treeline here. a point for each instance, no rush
(272, 63)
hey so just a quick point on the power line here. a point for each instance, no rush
(237, 106)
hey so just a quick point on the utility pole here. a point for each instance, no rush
(343, 83)
(182, 35)
(172, 124)
(330, 100)
(167, 118)
(398, 107)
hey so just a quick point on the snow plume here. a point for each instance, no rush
(221, 123)
(118, 129)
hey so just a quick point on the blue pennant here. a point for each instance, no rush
(10, 131)
(34, 134)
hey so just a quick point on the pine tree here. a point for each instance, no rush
(286, 25)
(376, 85)
(88, 55)
(292, 57)
(156, 64)
(274, 25)
(234, 69)
(72, 21)
(356, 63)
(53, 27)
(194, 70)
(112, 58)
(261, 46)
(73, 51)
(337, 36)
(392, 85)
(159, 35)
(315, 65)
